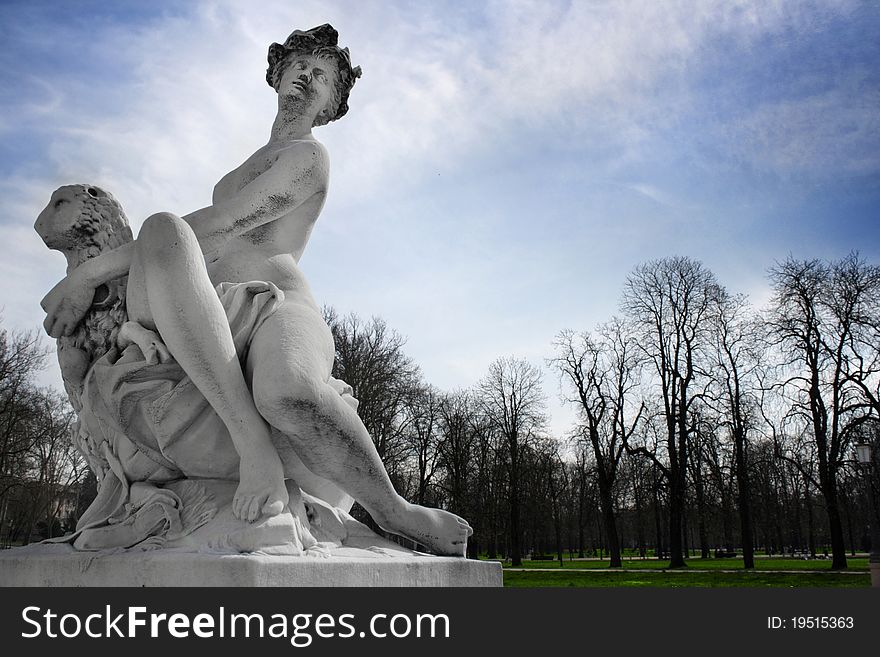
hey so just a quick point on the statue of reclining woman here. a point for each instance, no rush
(249, 241)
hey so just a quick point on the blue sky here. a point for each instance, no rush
(504, 164)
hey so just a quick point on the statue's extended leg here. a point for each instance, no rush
(290, 361)
(170, 289)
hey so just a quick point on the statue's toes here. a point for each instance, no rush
(253, 509)
(273, 507)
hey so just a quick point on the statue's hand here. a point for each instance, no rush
(66, 304)
(156, 351)
(148, 341)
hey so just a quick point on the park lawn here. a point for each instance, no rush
(682, 579)
(761, 563)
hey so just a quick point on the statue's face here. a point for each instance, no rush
(309, 80)
(56, 224)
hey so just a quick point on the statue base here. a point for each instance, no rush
(309, 544)
(61, 565)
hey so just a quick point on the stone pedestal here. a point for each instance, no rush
(58, 565)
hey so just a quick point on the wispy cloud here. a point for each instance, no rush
(834, 131)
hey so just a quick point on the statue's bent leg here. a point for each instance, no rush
(169, 270)
(290, 360)
(308, 481)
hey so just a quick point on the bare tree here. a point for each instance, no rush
(370, 358)
(738, 353)
(424, 438)
(670, 302)
(553, 484)
(40, 470)
(460, 425)
(602, 374)
(490, 481)
(582, 466)
(817, 320)
(513, 402)
(57, 468)
(21, 357)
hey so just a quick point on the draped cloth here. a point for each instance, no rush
(147, 422)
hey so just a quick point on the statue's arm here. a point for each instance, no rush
(67, 303)
(300, 172)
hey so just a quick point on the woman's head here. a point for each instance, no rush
(319, 42)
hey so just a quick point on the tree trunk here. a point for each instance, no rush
(559, 542)
(838, 546)
(554, 500)
(611, 534)
(811, 536)
(828, 482)
(677, 475)
(727, 523)
(581, 513)
(515, 550)
(676, 528)
(745, 504)
(658, 525)
(640, 528)
(701, 520)
(849, 530)
(606, 502)
(492, 547)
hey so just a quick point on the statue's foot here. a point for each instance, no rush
(443, 533)
(261, 489)
(250, 503)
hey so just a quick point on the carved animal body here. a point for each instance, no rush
(83, 221)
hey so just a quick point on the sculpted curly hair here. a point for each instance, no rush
(101, 225)
(321, 42)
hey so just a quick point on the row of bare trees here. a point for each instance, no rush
(691, 371)
(41, 474)
(703, 423)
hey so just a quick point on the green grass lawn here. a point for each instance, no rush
(681, 579)
(699, 573)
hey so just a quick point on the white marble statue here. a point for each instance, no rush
(196, 352)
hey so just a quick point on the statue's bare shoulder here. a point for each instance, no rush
(285, 162)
